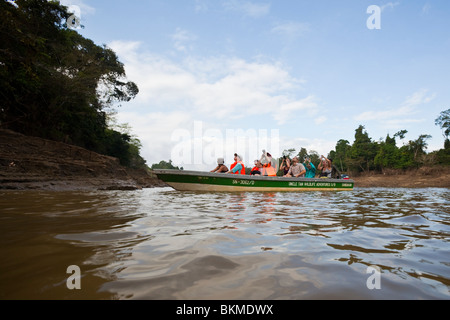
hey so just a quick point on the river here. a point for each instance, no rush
(370, 243)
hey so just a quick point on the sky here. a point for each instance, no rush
(219, 77)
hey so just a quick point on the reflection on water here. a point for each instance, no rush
(163, 244)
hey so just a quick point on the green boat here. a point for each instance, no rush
(182, 180)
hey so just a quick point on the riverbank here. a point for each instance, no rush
(425, 177)
(35, 163)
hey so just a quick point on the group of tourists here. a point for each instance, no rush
(265, 166)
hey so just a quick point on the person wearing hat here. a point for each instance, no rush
(238, 166)
(256, 171)
(221, 167)
(266, 161)
(296, 170)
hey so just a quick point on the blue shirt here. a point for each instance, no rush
(310, 173)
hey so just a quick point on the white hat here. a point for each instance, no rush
(220, 161)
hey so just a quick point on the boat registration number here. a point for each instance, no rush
(244, 182)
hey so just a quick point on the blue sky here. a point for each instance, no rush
(283, 74)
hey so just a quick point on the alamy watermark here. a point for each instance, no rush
(374, 280)
(202, 146)
(74, 281)
(74, 20)
(374, 20)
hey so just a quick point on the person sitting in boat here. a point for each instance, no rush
(267, 164)
(238, 166)
(325, 166)
(335, 173)
(310, 168)
(296, 170)
(285, 165)
(221, 167)
(257, 169)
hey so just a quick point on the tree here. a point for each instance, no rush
(55, 83)
(362, 152)
(443, 155)
(301, 155)
(401, 134)
(387, 155)
(288, 152)
(51, 75)
(417, 147)
(315, 157)
(340, 154)
(444, 122)
(165, 165)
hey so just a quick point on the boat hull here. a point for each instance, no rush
(217, 182)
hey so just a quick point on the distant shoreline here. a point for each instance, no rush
(31, 163)
(86, 184)
(420, 178)
(94, 184)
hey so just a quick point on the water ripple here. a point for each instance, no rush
(163, 244)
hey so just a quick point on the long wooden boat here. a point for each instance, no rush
(182, 180)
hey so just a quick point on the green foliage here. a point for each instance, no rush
(387, 154)
(289, 152)
(444, 122)
(56, 84)
(301, 155)
(365, 154)
(315, 158)
(165, 165)
(340, 154)
(123, 147)
(443, 155)
(362, 152)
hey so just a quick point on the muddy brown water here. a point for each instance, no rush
(370, 243)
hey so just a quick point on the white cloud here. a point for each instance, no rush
(384, 115)
(319, 145)
(182, 40)
(320, 120)
(154, 130)
(297, 109)
(419, 97)
(291, 29)
(236, 87)
(201, 6)
(247, 8)
(390, 5)
(84, 8)
(402, 115)
(175, 94)
(426, 8)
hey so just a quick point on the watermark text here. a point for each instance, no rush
(74, 281)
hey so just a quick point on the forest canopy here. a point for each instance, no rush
(58, 85)
(366, 154)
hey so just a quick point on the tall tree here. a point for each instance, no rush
(401, 134)
(55, 83)
(301, 155)
(387, 155)
(363, 151)
(417, 147)
(340, 154)
(444, 122)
